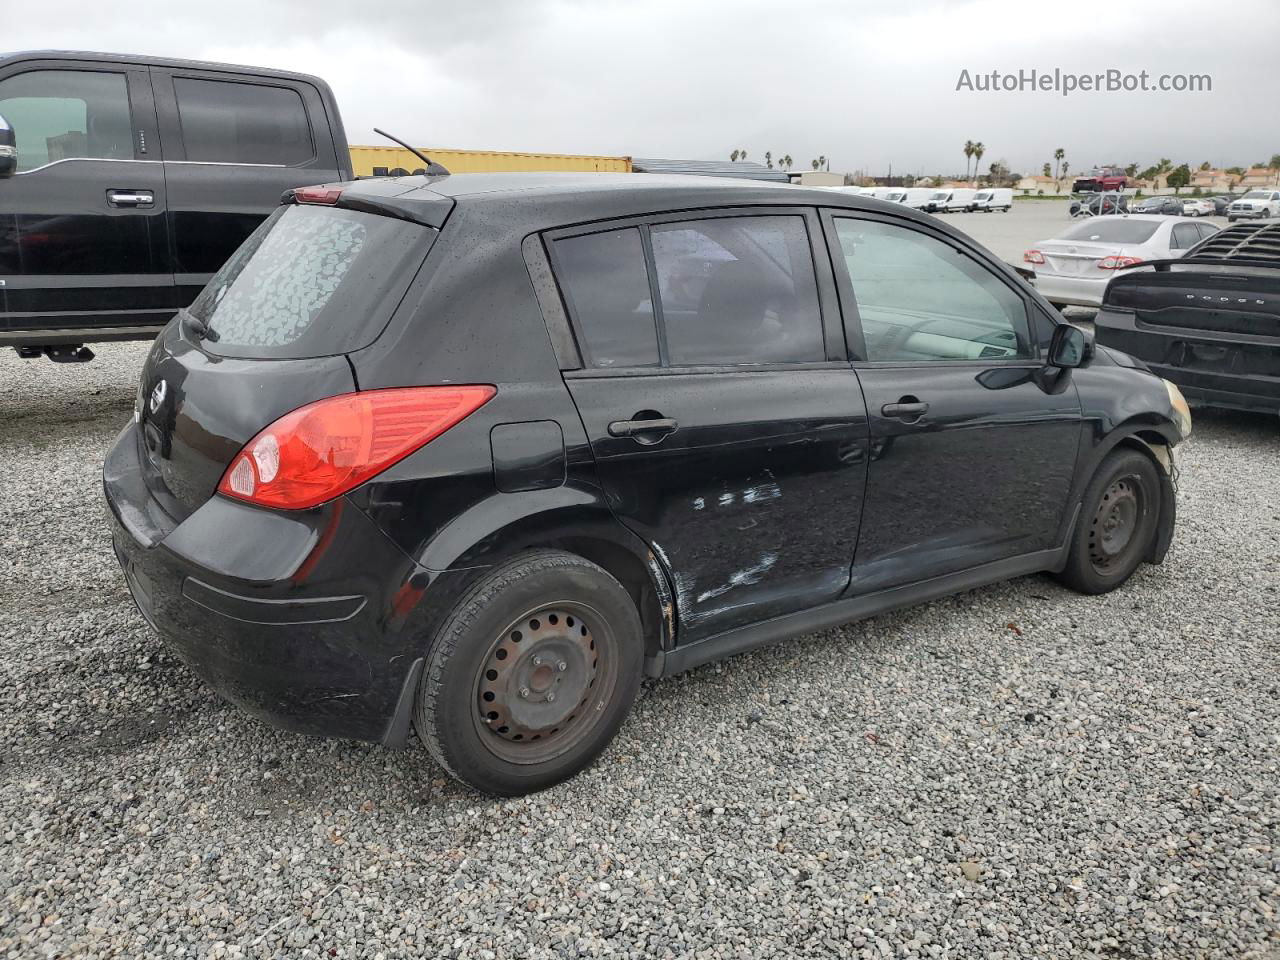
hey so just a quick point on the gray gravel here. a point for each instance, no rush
(1015, 772)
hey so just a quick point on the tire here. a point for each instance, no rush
(531, 674)
(1231, 219)
(1117, 523)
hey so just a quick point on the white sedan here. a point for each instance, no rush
(1197, 207)
(1074, 267)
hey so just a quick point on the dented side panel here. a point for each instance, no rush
(752, 505)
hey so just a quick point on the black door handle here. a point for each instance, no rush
(908, 408)
(643, 431)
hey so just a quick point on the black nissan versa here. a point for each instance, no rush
(470, 455)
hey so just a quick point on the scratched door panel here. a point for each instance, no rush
(753, 502)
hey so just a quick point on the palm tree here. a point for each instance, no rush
(1065, 167)
(814, 164)
(968, 155)
(1057, 158)
(979, 149)
(734, 156)
(768, 159)
(1046, 169)
(742, 154)
(822, 163)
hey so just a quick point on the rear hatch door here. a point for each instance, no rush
(269, 334)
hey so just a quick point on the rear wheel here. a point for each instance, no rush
(531, 675)
(1117, 523)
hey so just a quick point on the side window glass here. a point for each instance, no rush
(920, 299)
(738, 290)
(242, 123)
(67, 114)
(1184, 236)
(606, 283)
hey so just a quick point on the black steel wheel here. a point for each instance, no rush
(1116, 525)
(531, 674)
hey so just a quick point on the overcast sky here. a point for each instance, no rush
(868, 84)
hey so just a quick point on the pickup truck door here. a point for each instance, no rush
(83, 237)
(233, 143)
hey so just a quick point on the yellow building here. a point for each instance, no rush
(365, 159)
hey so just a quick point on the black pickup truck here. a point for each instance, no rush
(1209, 321)
(132, 179)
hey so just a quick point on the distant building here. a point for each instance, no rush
(1041, 184)
(817, 178)
(1256, 177)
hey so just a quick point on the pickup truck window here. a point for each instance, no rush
(242, 123)
(67, 114)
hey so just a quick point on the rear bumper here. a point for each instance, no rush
(1211, 369)
(1077, 291)
(303, 620)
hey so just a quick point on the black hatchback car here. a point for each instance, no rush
(473, 454)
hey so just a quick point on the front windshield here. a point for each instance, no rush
(1256, 195)
(940, 196)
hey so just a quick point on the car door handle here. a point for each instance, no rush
(908, 408)
(643, 431)
(131, 198)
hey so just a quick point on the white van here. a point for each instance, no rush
(938, 201)
(918, 197)
(997, 198)
(960, 199)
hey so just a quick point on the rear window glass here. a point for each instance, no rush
(1112, 231)
(311, 281)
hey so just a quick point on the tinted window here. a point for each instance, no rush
(738, 290)
(66, 114)
(1103, 230)
(921, 299)
(242, 123)
(604, 279)
(1184, 236)
(311, 281)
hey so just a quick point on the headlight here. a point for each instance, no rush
(1181, 412)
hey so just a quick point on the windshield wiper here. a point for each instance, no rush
(197, 327)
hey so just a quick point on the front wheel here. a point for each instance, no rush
(531, 674)
(1117, 523)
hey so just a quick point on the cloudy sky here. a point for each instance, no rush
(868, 84)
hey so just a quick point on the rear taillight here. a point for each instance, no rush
(326, 448)
(326, 195)
(1114, 262)
(1033, 256)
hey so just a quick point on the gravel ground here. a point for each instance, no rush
(1015, 772)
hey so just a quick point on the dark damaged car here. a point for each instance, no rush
(471, 455)
(1208, 321)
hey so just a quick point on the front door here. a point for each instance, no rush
(83, 239)
(728, 431)
(972, 453)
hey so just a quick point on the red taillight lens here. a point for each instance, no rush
(1033, 256)
(325, 195)
(1115, 263)
(326, 448)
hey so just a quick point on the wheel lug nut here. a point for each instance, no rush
(524, 693)
(537, 661)
(551, 696)
(562, 666)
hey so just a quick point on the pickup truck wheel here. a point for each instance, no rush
(1117, 523)
(531, 674)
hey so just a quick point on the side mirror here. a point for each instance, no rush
(8, 149)
(1070, 347)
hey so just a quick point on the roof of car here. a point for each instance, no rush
(540, 201)
(143, 61)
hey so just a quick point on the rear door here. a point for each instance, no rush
(83, 239)
(971, 458)
(728, 428)
(232, 145)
